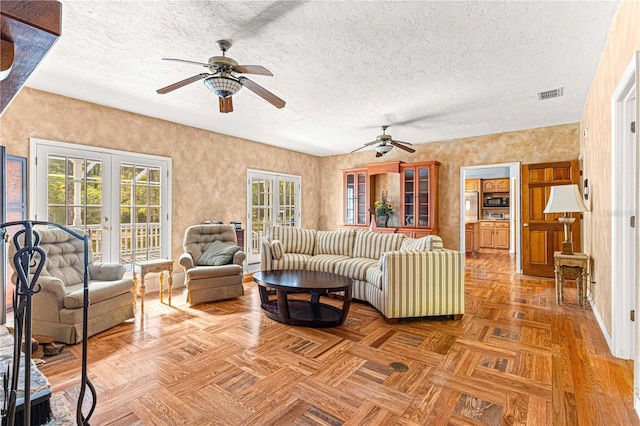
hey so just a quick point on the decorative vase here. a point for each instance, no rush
(382, 220)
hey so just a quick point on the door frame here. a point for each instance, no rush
(515, 245)
(624, 275)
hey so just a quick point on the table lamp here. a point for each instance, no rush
(565, 199)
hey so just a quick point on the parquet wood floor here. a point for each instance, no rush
(515, 358)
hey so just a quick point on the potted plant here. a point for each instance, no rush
(383, 209)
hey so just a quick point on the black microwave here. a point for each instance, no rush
(492, 201)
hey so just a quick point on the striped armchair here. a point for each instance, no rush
(401, 277)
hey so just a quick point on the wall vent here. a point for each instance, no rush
(550, 94)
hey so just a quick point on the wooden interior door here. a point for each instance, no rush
(542, 234)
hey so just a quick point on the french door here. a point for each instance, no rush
(121, 199)
(272, 199)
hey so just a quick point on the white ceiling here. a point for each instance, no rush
(445, 69)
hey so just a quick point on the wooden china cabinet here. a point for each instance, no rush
(418, 209)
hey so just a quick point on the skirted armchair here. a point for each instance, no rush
(58, 307)
(212, 262)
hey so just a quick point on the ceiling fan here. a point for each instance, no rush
(224, 81)
(386, 143)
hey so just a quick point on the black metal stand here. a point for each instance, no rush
(29, 257)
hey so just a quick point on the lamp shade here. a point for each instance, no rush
(565, 198)
(383, 149)
(222, 85)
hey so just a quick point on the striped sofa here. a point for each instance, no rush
(401, 277)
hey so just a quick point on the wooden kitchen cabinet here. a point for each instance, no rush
(501, 235)
(495, 185)
(486, 234)
(494, 234)
(472, 185)
(471, 237)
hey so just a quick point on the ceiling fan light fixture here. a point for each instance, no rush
(383, 149)
(223, 86)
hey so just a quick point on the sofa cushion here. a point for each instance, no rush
(324, 262)
(335, 242)
(217, 254)
(291, 261)
(428, 243)
(355, 268)
(294, 240)
(372, 244)
(98, 291)
(277, 250)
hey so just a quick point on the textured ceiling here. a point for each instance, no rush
(434, 70)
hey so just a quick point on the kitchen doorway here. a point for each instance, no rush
(489, 230)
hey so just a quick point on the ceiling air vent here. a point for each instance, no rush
(550, 94)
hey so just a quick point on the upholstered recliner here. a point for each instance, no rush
(212, 262)
(58, 307)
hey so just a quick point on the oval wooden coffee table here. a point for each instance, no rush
(307, 313)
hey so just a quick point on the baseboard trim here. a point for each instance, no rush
(603, 328)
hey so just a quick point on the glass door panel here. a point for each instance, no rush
(272, 199)
(261, 216)
(287, 206)
(140, 206)
(75, 189)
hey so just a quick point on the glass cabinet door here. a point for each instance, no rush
(409, 197)
(423, 197)
(419, 186)
(362, 199)
(355, 198)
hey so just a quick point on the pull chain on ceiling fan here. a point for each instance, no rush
(386, 143)
(224, 81)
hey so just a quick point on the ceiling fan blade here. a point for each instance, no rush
(226, 104)
(188, 62)
(184, 82)
(402, 142)
(405, 148)
(379, 154)
(252, 69)
(262, 92)
(366, 145)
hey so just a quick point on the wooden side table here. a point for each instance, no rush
(140, 269)
(577, 263)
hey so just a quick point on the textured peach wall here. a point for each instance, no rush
(209, 169)
(623, 42)
(555, 143)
